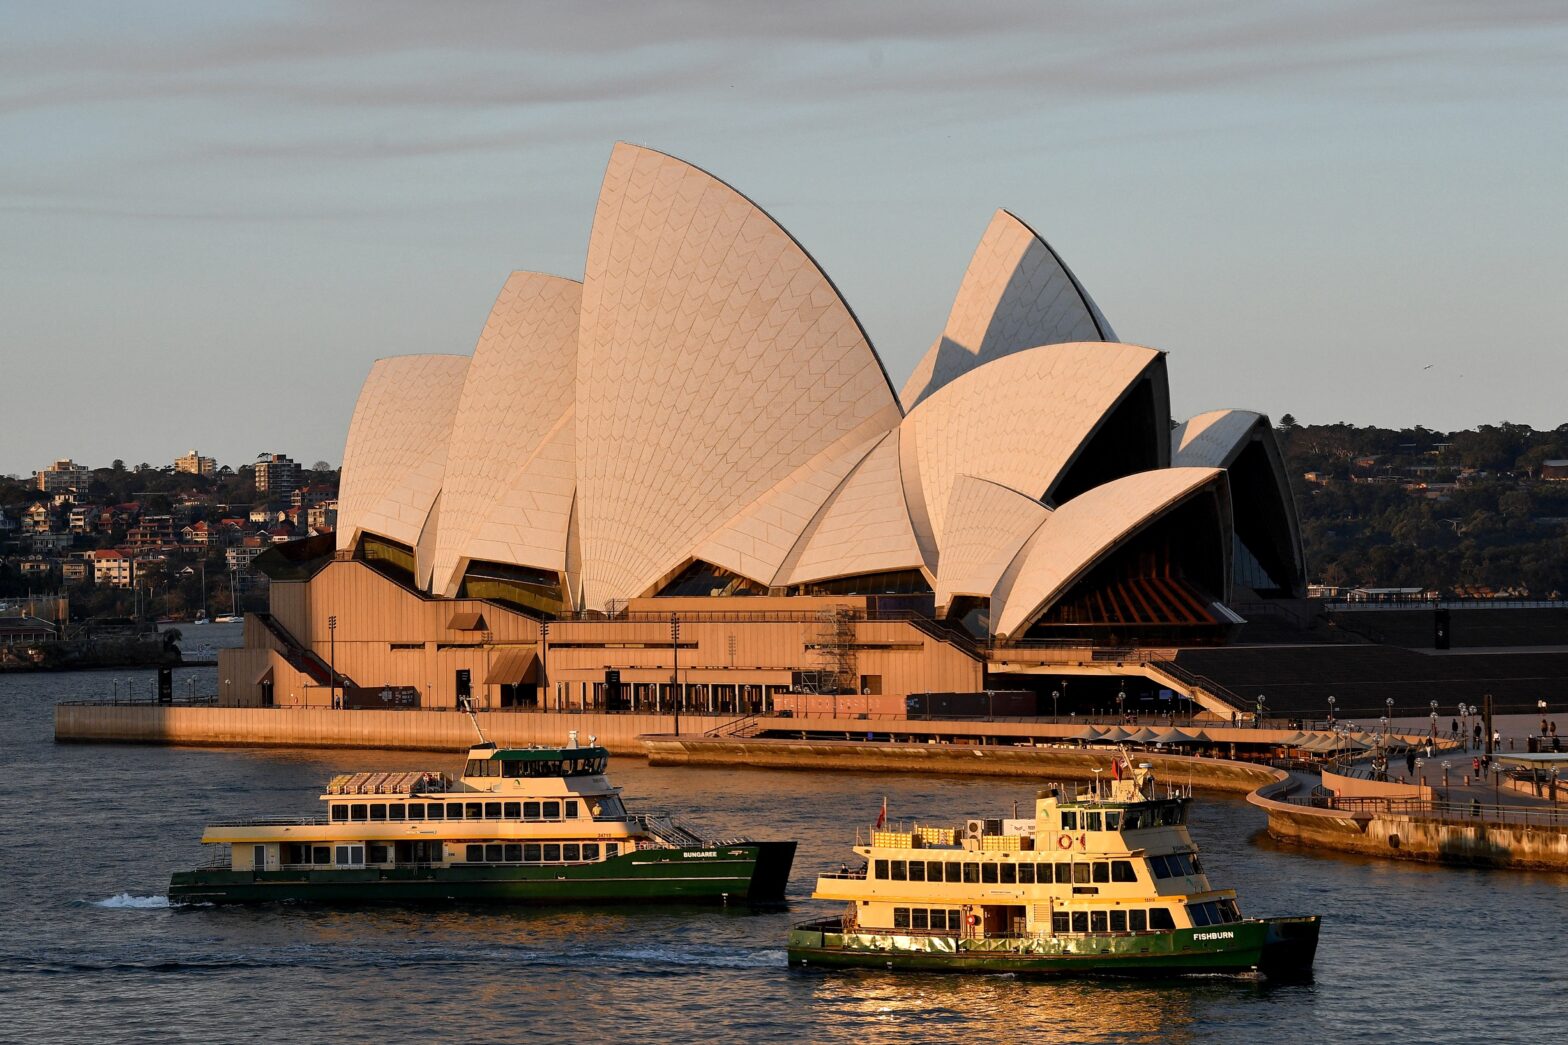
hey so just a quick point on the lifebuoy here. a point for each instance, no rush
(1064, 841)
(974, 919)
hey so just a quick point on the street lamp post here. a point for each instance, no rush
(1054, 695)
(1389, 703)
(1331, 710)
(332, 655)
(1434, 721)
(675, 677)
(1121, 706)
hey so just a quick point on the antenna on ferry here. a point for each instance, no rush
(468, 706)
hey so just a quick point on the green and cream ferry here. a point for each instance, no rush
(521, 825)
(1098, 882)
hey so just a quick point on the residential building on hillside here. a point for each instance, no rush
(196, 464)
(276, 475)
(113, 568)
(62, 476)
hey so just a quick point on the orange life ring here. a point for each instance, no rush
(974, 919)
(1064, 841)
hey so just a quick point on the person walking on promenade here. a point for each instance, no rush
(1410, 762)
(1477, 734)
(1453, 730)
(1475, 767)
(1497, 740)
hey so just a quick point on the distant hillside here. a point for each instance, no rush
(1413, 507)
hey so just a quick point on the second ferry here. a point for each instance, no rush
(1095, 883)
(520, 825)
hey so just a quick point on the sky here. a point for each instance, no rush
(214, 217)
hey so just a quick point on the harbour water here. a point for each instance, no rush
(90, 950)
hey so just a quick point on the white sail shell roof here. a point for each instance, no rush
(1016, 294)
(1214, 439)
(1082, 532)
(715, 361)
(1018, 421)
(864, 528)
(395, 456)
(986, 526)
(511, 470)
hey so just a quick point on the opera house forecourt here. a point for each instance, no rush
(688, 479)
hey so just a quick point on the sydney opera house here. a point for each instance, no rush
(689, 476)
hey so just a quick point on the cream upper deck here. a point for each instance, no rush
(1112, 859)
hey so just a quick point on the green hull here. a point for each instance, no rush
(1282, 948)
(750, 872)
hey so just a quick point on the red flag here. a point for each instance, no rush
(882, 816)
(1116, 769)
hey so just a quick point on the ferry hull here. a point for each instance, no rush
(1282, 948)
(749, 872)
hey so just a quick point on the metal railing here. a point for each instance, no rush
(1474, 811)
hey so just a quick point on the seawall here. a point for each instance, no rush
(409, 730)
(1399, 836)
(1053, 763)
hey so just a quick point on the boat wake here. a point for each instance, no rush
(126, 900)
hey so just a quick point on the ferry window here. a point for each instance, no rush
(1160, 868)
(476, 854)
(612, 849)
(1009, 874)
(1121, 871)
(1113, 819)
(988, 873)
(395, 811)
(1170, 814)
(611, 807)
(917, 870)
(1064, 874)
(1097, 922)
(434, 811)
(376, 854)
(492, 810)
(514, 811)
(378, 811)
(1160, 918)
(1080, 874)
(357, 812)
(551, 810)
(1133, 820)
(1091, 822)
(920, 918)
(881, 870)
(1080, 921)
(258, 857)
(474, 810)
(514, 852)
(1199, 914)
(933, 870)
(900, 917)
(899, 872)
(590, 850)
(1197, 864)
(320, 854)
(1118, 921)
(341, 855)
(472, 769)
(454, 810)
(955, 872)
(972, 873)
(1180, 864)
(571, 810)
(552, 852)
(494, 852)
(1069, 820)
(530, 810)
(571, 852)
(1026, 874)
(531, 852)
(1138, 920)
(1102, 871)
(1059, 922)
(339, 811)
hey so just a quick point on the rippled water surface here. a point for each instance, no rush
(90, 951)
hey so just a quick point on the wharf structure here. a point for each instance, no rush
(687, 481)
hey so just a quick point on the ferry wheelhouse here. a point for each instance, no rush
(520, 825)
(1096, 882)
